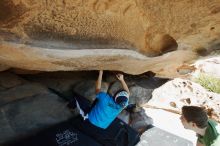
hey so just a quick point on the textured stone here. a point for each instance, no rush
(140, 121)
(140, 95)
(21, 91)
(124, 116)
(209, 66)
(114, 87)
(87, 88)
(176, 93)
(31, 114)
(123, 35)
(3, 67)
(157, 137)
(9, 80)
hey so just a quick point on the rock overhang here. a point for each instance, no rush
(129, 36)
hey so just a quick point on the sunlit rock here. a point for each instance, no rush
(125, 35)
(179, 92)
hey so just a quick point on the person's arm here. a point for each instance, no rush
(124, 85)
(99, 82)
(199, 144)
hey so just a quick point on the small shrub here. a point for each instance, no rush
(209, 82)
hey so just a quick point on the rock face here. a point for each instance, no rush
(125, 35)
(26, 107)
(176, 93)
(140, 121)
(209, 66)
(3, 67)
(156, 137)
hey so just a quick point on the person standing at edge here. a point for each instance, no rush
(196, 119)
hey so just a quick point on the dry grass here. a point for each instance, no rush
(209, 82)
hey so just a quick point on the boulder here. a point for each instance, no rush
(114, 87)
(139, 95)
(125, 35)
(3, 67)
(179, 92)
(87, 88)
(207, 66)
(140, 121)
(27, 107)
(10, 80)
(21, 91)
(29, 115)
(125, 116)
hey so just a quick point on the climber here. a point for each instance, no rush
(107, 107)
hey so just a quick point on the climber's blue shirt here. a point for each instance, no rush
(105, 111)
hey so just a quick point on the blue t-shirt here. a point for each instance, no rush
(105, 111)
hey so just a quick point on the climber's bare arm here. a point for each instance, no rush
(99, 82)
(124, 85)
